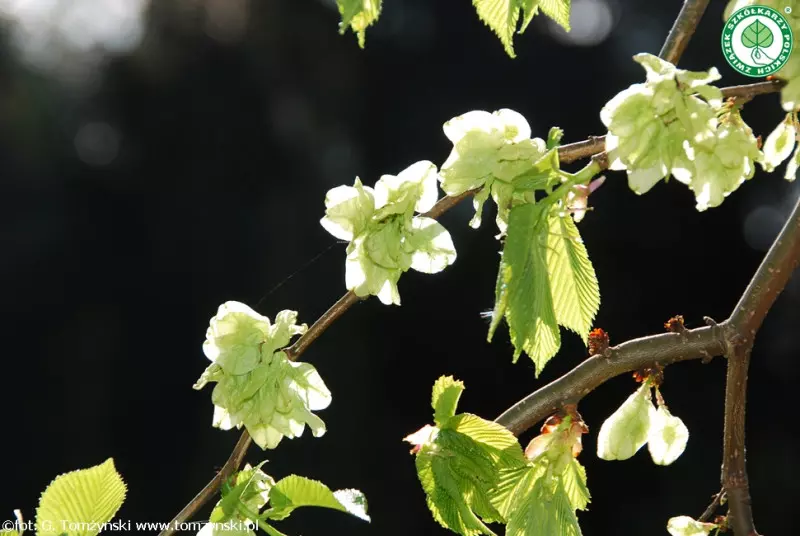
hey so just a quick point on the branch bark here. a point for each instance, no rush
(740, 331)
(662, 349)
(683, 30)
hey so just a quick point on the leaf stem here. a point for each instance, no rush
(741, 328)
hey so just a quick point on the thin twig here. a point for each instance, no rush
(210, 489)
(566, 153)
(712, 508)
(317, 328)
(683, 29)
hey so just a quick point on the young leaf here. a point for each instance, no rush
(526, 288)
(502, 17)
(460, 466)
(558, 10)
(544, 509)
(667, 438)
(686, 526)
(358, 15)
(250, 488)
(573, 283)
(460, 463)
(88, 497)
(446, 392)
(574, 479)
(296, 491)
(627, 429)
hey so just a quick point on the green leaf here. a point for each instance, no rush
(757, 34)
(358, 15)
(502, 17)
(460, 466)
(446, 392)
(297, 491)
(513, 483)
(250, 488)
(558, 10)
(574, 479)
(499, 442)
(529, 9)
(542, 507)
(529, 310)
(87, 498)
(573, 283)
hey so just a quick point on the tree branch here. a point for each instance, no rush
(210, 489)
(683, 30)
(733, 338)
(663, 349)
(740, 331)
(592, 147)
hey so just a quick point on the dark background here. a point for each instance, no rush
(141, 187)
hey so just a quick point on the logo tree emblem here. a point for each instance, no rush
(757, 36)
(757, 41)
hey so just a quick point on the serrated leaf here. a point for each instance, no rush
(296, 491)
(449, 495)
(558, 10)
(513, 483)
(529, 311)
(358, 15)
(459, 468)
(574, 479)
(545, 509)
(529, 9)
(250, 488)
(86, 498)
(573, 283)
(500, 443)
(502, 17)
(446, 392)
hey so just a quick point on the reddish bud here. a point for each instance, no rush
(598, 341)
(675, 324)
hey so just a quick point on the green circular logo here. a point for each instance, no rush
(757, 41)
